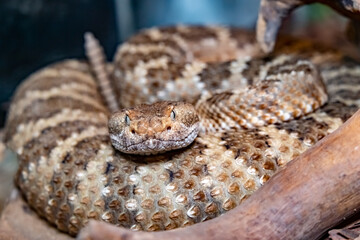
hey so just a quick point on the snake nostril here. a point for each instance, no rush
(168, 128)
(133, 131)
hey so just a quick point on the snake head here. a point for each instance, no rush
(155, 128)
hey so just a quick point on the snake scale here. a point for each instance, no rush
(69, 171)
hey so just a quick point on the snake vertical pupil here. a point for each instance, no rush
(172, 115)
(127, 120)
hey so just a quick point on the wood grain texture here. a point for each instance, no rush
(286, 207)
(273, 12)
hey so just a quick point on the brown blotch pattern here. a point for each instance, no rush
(88, 179)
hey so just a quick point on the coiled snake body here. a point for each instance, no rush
(69, 171)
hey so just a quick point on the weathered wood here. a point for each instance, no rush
(313, 193)
(351, 231)
(273, 12)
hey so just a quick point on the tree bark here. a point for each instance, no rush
(273, 12)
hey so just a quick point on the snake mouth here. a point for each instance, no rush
(154, 145)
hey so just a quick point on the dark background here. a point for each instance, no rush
(34, 33)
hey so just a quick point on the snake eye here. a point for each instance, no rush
(172, 115)
(127, 120)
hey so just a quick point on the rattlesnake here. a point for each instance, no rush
(69, 172)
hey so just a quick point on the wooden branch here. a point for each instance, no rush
(271, 15)
(313, 193)
(273, 12)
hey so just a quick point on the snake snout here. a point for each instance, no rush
(155, 128)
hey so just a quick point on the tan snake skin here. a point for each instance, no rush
(69, 172)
